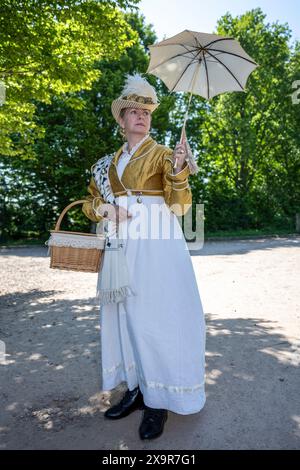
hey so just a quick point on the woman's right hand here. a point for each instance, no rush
(114, 212)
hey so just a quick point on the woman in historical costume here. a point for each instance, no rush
(154, 339)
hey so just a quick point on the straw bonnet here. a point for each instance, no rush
(137, 93)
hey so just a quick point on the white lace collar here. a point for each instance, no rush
(134, 149)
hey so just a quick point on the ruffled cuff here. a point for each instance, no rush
(181, 175)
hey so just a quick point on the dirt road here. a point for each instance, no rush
(50, 379)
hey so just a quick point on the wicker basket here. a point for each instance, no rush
(75, 251)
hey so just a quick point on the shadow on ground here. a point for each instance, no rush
(50, 384)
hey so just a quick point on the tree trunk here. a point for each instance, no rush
(298, 222)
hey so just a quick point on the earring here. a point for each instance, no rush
(122, 132)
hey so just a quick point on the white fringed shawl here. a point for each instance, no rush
(113, 280)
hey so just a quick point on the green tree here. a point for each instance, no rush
(247, 144)
(248, 141)
(75, 137)
(48, 49)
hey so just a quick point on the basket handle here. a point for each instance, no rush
(80, 201)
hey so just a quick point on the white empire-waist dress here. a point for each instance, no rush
(156, 338)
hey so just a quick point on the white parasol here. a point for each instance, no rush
(200, 63)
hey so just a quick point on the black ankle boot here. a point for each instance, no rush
(153, 421)
(132, 400)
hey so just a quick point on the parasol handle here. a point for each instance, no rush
(187, 111)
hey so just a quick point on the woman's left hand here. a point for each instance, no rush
(179, 156)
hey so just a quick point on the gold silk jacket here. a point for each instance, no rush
(150, 172)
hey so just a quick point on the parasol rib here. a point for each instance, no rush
(218, 40)
(226, 69)
(232, 53)
(207, 79)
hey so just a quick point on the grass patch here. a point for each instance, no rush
(207, 235)
(250, 233)
(24, 241)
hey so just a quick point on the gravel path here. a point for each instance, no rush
(50, 394)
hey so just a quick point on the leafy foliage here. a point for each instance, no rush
(48, 49)
(56, 124)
